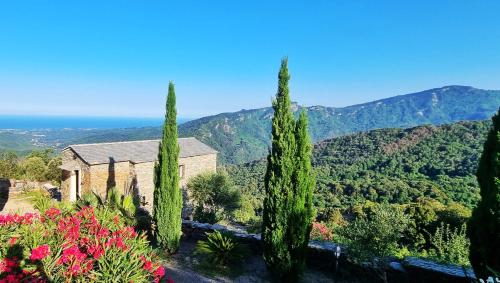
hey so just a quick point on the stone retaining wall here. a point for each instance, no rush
(322, 255)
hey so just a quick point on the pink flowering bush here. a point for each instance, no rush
(87, 245)
(320, 232)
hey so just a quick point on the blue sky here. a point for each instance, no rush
(115, 58)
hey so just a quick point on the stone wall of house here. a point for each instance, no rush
(196, 165)
(191, 166)
(126, 176)
(69, 156)
(106, 176)
(145, 182)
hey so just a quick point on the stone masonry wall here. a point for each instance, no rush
(192, 166)
(98, 178)
(196, 165)
(322, 255)
(69, 156)
(106, 176)
(145, 182)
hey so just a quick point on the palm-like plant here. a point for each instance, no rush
(221, 249)
(123, 204)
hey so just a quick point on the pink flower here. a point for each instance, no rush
(96, 251)
(160, 272)
(40, 252)
(71, 254)
(52, 213)
(7, 265)
(12, 241)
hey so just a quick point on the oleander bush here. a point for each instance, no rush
(89, 245)
(320, 232)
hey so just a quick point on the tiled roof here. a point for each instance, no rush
(135, 151)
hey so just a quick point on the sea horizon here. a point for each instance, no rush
(38, 122)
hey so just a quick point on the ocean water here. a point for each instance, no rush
(62, 122)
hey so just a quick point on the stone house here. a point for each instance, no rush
(127, 166)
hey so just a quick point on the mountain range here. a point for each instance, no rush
(244, 136)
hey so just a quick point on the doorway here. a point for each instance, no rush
(74, 190)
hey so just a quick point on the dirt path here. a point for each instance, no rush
(14, 203)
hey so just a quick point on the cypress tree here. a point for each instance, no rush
(302, 208)
(167, 194)
(484, 225)
(279, 180)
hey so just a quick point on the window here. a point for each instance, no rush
(181, 171)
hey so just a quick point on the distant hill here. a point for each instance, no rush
(244, 136)
(390, 165)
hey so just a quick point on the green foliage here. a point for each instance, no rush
(115, 202)
(221, 249)
(39, 198)
(388, 165)
(301, 207)
(53, 172)
(167, 203)
(214, 196)
(42, 203)
(34, 168)
(246, 212)
(484, 225)
(450, 245)
(376, 235)
(288, 183)
(37, 166)
(279, 180)
(9, 165)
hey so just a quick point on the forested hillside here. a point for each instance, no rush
(389, 165)
(244, 136)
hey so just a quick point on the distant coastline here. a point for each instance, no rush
(28, 122)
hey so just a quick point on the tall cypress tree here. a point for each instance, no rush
(302, 208)
(167, 194)
(279, 180)
(484, 225)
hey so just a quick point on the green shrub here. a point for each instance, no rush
(215, 197)
(376, 235)
(34, 168)
(42, 203)
(124, 205)
(246, 212)
(450, 245)
(221, 249)
(39, 198)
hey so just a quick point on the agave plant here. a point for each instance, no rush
(221, 249)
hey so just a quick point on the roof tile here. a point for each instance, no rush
(135, 151)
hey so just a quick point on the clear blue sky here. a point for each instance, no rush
(115, 58)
